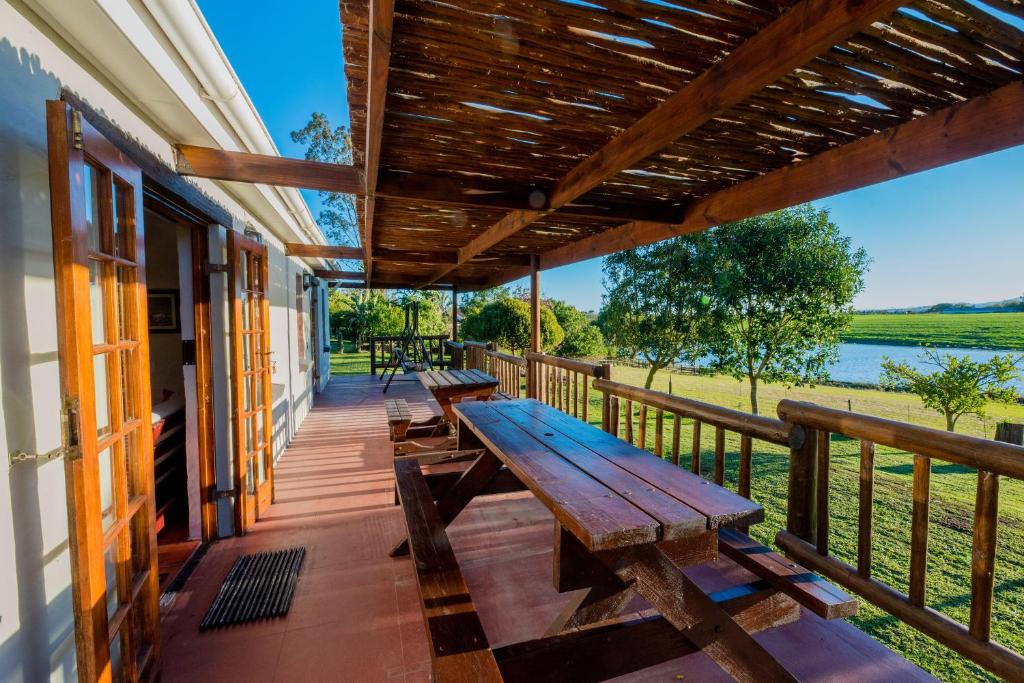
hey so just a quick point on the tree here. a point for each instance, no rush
(958, 386)
(432, 318)
(655, 307)
(367, 313)
(507, 322)
(582, 338)
(337, 219)
(784, 283)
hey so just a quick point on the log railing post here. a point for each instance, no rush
(373, 356)
(606, 373)
(800, 517)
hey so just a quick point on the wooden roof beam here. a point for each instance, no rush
(979, 126)
(382, 14)
(803, 32)
(378, 285)
(415, 256)
(486, 193)
(218, 164)
(354, 279)
(323, 251)
(339, 274)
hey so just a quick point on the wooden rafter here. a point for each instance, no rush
(474, 192)
(382, 13)
(339, 274)
(205, 162)
(344, 278)
(980, 126)
(415, 256)
(805, 31)
(323, 251)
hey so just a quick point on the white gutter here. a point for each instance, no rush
(184, 24)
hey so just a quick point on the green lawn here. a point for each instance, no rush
(975, 330)
(350, 363)
(953, 491)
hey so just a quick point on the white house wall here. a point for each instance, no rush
(36, 622)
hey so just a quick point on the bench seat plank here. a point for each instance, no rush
(720, 506)
(600, 519)
(803, 585)
(458, 645)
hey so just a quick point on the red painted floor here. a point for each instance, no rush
(355, 615)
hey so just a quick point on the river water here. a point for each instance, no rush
(862, 363)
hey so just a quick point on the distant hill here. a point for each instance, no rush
(1005, 306)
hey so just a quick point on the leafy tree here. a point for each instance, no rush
(471, 303)
(507, 321)
(337, 219)
(655, 307)
(364, 314)
(431, 311)
(958, 386)
(784, 283)
(582, 338)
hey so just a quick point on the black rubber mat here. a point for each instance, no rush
(259, 586)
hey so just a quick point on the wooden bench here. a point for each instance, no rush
(459, 650)
(803, 585)
(399, 418)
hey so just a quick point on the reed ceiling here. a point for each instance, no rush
(521, 91)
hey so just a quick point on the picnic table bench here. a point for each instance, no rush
(452, 386)
(448, 388)
(626, 523)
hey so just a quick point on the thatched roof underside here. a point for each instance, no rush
(520, 91)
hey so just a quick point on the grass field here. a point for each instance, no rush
(952, 504)
(964, 330)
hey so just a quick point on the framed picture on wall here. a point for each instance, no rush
(163, 311)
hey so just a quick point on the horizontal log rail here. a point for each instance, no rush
(1001, 458)
(756, 426)
(807, 538)
(627, 416)
(565, 383)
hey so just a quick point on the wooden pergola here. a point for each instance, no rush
(492, 141)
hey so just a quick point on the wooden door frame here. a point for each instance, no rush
(158, 202)
(72, 144)
(237, 244)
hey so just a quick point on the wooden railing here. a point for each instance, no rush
(806, 430)
(382, 350)
(627, 416)
(508, 369)
(564, 383)
(807, 536)
(456, 354)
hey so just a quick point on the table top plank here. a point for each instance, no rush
(599, 518)
(721, 506)
(677, 519)
(456, 380)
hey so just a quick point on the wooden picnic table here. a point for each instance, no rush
(626, 524)
(452, 386)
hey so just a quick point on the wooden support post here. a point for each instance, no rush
(455, 312)
(919, 530)
(802, 455)
(865, 514)
(535, 303)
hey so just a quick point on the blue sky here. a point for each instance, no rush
(951, 234)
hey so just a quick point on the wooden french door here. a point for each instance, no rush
(250, 379)
(100, 277)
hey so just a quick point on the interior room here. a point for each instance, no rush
(173, 388)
